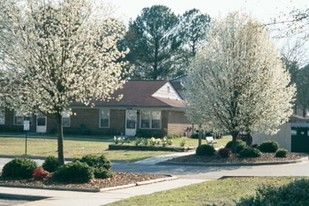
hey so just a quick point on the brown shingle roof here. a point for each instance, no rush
(138, 93)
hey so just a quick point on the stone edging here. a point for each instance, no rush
(233, 164)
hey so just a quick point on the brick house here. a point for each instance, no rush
(147, 108)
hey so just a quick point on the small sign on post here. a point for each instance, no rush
(26, 128)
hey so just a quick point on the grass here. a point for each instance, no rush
(217, 192)
(77, 146)
(45, 146)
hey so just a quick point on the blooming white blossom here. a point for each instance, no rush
(54, 53)
(237, 81)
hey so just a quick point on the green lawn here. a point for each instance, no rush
(45, 146)
(77, 146)
(217, 192)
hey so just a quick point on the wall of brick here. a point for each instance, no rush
(177, 122)
(9, 123)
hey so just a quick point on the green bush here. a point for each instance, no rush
(239, 145)
(268, 147)
(281, 152)
(101, 165)
(205, 150)
(295, 193)
(250, 152)
(20, 168)
(172, 136)
(74, 172)
(51, 164)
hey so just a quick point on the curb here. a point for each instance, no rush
(234, 164)
(169, 178)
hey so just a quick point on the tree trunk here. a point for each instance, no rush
(60, 138)
(199, 135)
(234, 137)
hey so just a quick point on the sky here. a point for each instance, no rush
(261, 9)
(264, 10)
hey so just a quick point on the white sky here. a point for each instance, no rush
(261, 9)
(264, 10)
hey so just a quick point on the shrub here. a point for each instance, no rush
(51, 164)
(268, 146)
(20, 168)
(39, 173)
(101, 165)
(182, 142)
(172, 136)
(250, 152)
(294, 193)
(74, 172)
(281, 153)
(225, 152)
(205, 150)
(239, 145)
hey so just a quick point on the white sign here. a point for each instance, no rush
(26, 125)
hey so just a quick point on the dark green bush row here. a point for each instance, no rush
(295, 193)
(79, 171)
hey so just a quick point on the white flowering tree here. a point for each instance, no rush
(237, 81)
(54, 53)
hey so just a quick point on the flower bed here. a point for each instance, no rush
(147, 144)
(147, 148)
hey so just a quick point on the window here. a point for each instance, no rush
(66, 119)
(19, 118)
(2, 115)
(150, 119)
(104, 118)
(156, 119)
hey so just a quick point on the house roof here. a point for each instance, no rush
(139, 93)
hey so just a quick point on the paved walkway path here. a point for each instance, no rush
(186, 175)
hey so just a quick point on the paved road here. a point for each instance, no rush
(296, 169)
(187, 175)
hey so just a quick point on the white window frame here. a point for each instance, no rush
(151, 119)
(23, 118)
(2, 116)
(66, 119)
(106, 111)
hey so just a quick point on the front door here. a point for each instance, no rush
(41, 123)
(131, 118)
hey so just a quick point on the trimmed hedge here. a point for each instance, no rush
(19, 168)
(268, 147)
(239, 145)
(250, 152)
(281, 153)
(74, 172)
(205, 150)
(101, 165)
(51, 164)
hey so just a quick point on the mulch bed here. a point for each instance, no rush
(265, 157)
(118, 179)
